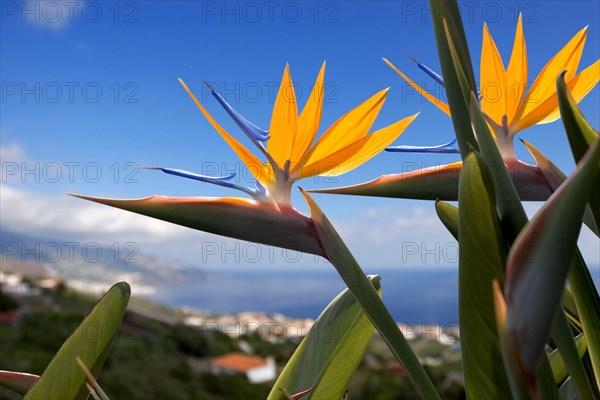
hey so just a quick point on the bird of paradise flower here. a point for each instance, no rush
(268, 217)
(509, 107)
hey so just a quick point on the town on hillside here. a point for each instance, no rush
(228, 355)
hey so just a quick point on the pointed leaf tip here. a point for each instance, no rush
(18, 382)
(63, 379)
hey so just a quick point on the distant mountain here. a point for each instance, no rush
(91, 267)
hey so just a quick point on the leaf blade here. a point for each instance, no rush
(341, 258)
(538, 265)
(331, 351)
(63, 379)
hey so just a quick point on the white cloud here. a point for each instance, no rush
(44, 215)
(377, 236)
(398, 236)
(55, 15)
(12, 152)
(403, 235)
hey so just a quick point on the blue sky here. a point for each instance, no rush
(92, 87)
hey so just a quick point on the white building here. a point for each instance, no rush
(256, 369)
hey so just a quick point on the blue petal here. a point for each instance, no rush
(428, 71)
(447, 148)
(435, 75)
(202, 178)
(256, 134)
(260, 188)
(219, 181)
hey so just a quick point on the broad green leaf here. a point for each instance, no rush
(538, 265)
(446, 12)
(448, 214)
(582, 137)
(234, 217)
(328, 356)
(580, 133)
(511, 212)
(559, 369)
(510, 209)
(63, 379)
(340, 257)
(482, 255)
(19, 382)
(555, 177)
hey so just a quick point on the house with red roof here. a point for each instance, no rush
(256, 369)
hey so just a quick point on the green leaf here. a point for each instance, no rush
(580, 133)
(568, 391)
(63, 378)
(512, 215)
(482, 255)
(563, 337)
(559, 370)
(19, 382)
(581, 138)
(447, 25)
(448, 214)
(588, 306)
(366, 295)
(328, 356)
(511, 210)
(555, 177)
(537, 268)
(570, 307)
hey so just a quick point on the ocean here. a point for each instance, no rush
(413, 295)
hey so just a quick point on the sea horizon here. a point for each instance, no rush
(413, 295)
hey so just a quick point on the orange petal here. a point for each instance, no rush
(284, 121)
(439, 104)
(351, 127)
(492, 79)
(371, 145)
(310, 119)
(516, 74)
(255, 166)
(548, 111)
(544, 85)
(580, 86)
(330, 162)
(573, 61)
(237, 218)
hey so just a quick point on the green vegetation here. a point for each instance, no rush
(7, 303)
(151, 360)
